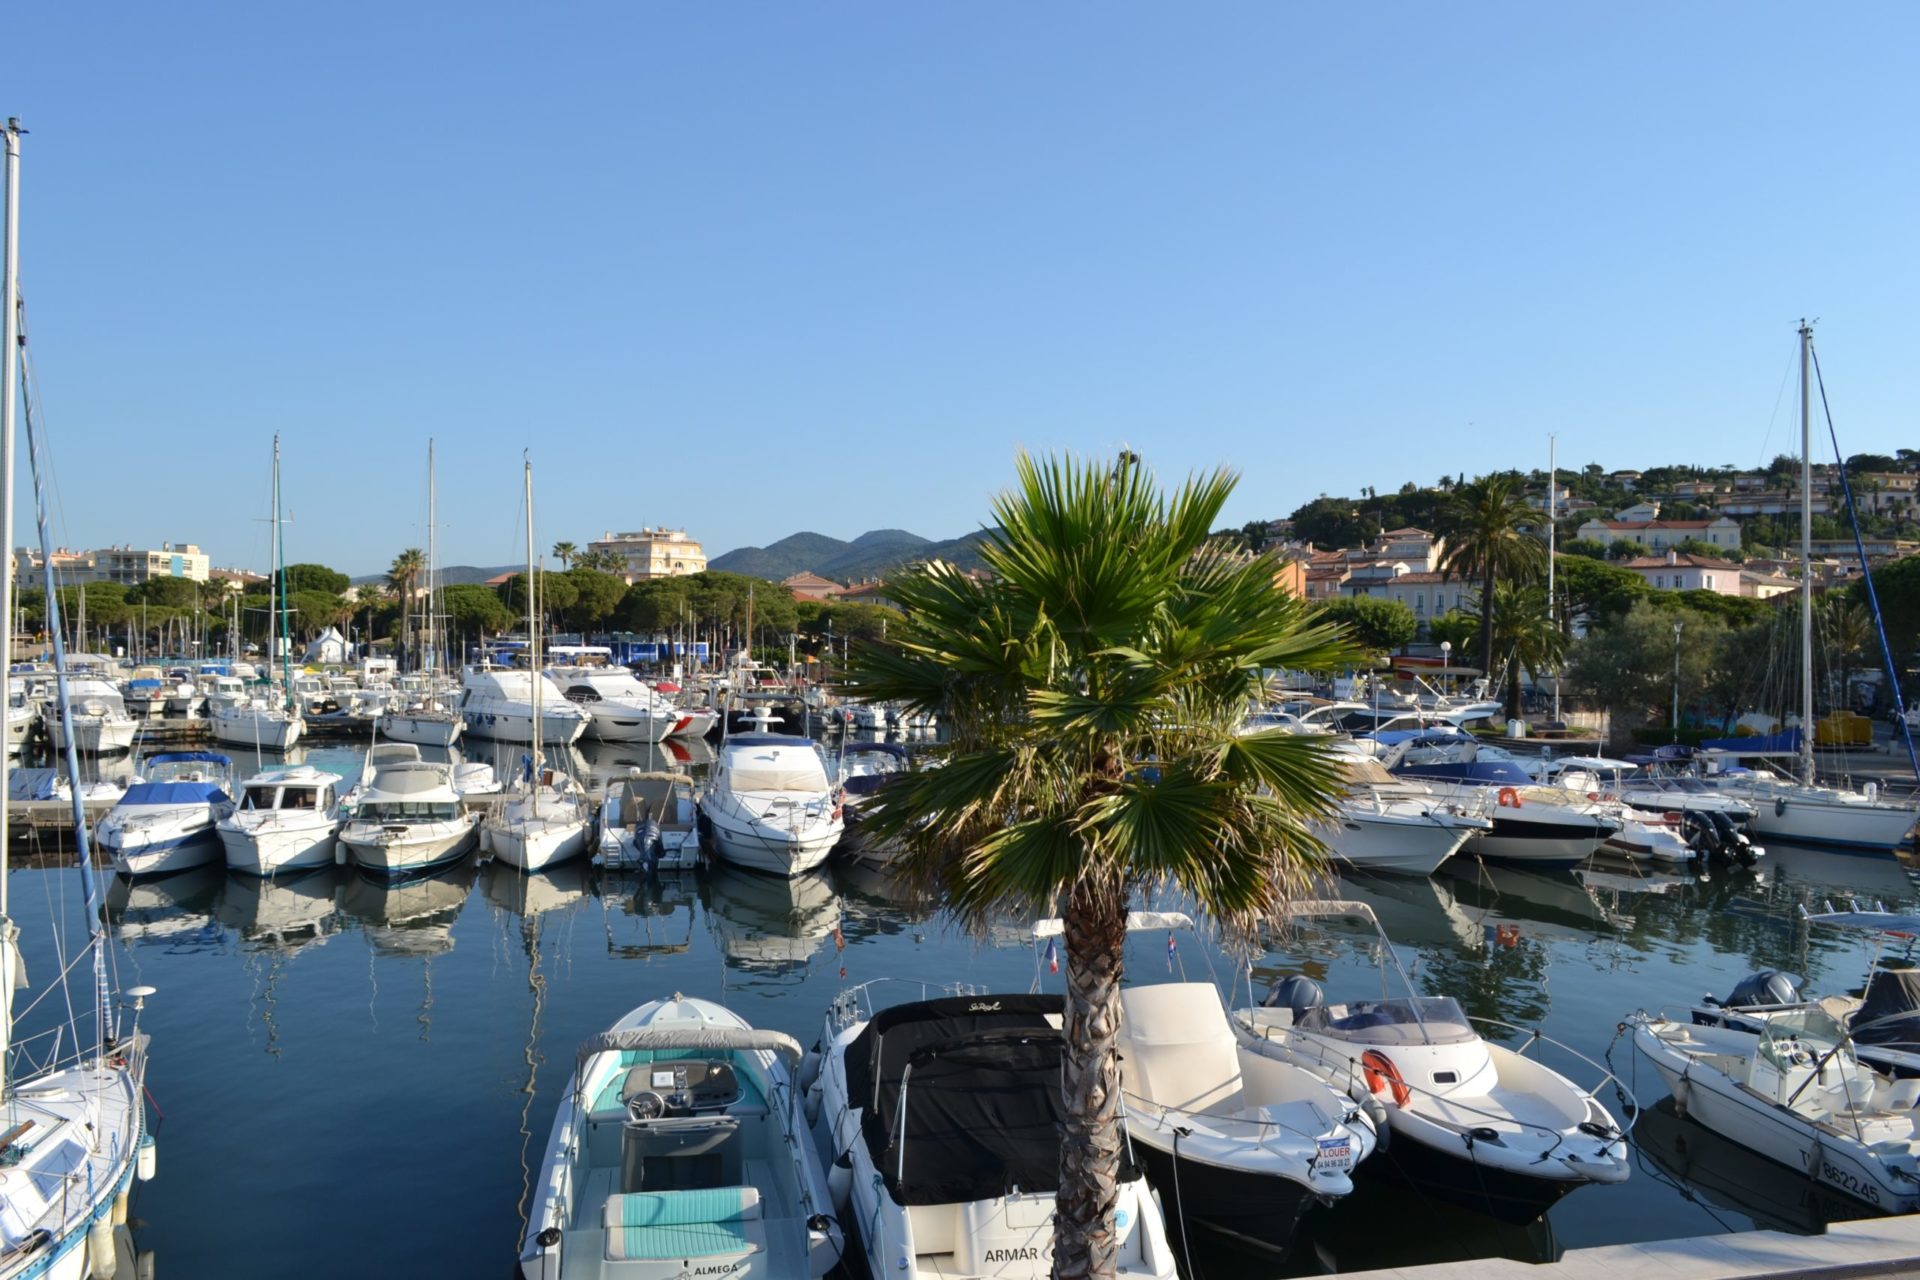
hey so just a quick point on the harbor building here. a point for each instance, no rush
(653, 553)
(129, 566)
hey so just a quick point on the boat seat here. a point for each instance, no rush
(1180, 1050)
(1904, 1095)
(934, 1227)
(710, 1223)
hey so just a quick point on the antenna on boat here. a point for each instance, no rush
(9, 405)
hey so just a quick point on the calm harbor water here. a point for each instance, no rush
(352, 1078)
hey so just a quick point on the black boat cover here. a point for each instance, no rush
(1890, 1012)
(983, 1096)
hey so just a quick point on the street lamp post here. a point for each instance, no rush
(1676, 680)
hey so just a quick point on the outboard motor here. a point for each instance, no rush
(1735, 846)
(1702, 835)
(1296, 994)
(1769, 986)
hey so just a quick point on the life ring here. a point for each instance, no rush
(1509, 798)
(1593, 795)
(1381, 1072)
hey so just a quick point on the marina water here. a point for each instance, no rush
(355, 1078)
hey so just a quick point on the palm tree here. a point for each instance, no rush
(1525, 638)
(401, 576)
(564, 552)
(1847, 631)
(1484, 522)
(1111, 633)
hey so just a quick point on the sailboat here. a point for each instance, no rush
(1801, 809)
(256, 721)
(426, 719)
(548, 818)
(76, 1131)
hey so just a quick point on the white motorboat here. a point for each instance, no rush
(422, 721)
(408, 819)
(1387, 825)
(649, 821)
(547, 819)
(1645, 838)
(622, 708)
(1798, 813)
(183, 698)
(287, 820)
(768, 805)
(21, 715)
(1535, 825)
(679, 1149)
(944, 1117)
(1473, 1122)
(98, 716)
(476, 778)
(1243, 1142)
(1796, 1094)
(497, 703)
(258, 723)
(168, 820)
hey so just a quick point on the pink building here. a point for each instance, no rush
(1679, 572)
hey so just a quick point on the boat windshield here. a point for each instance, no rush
(409, 811)
(1800, 1038)
(1420, 1020)
(258, 797)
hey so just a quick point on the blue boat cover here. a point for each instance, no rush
(174, 793)
(893, 749)
(1485, 773)
(1786, 743)
(143, 683)
(190, 757)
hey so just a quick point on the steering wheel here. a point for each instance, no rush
(646, 1105)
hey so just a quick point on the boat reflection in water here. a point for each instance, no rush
(522, 893)
(1831, 872)
(770, 924)
(1710, 1169)
(175, 910)
(648, 915)
(284, 914)
(409, 917)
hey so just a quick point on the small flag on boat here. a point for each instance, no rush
(839, 941)
(1053, 957)
(1170, 951)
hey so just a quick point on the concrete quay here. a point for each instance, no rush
(1872, 1247)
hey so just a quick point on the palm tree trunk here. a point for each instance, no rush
(1486, 625)
(1084, 1242)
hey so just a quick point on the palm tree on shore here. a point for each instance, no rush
(1525, 636)
(1486, 523)
(1111, 633)
(405, 571)
(564, 552)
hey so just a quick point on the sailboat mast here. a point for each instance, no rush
(1553, 515)
(431, 610)
(1806, 555)
(280, 558)
(9, 406)
(533, 636)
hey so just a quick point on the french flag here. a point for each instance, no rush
(1053, 957)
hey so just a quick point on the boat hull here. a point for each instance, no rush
(759, 845)
(263, 851)
(422, 730)
(268, 733)
(502, 725)
(1250, 1208)
(410, 850)
(93, 735)
(1851, 826)
(179, 851)
(1459, 1180)
(1401, 846)
(1526, 842)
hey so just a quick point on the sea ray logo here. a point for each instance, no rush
(981, 1006)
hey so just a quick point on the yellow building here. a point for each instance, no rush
(654, 553)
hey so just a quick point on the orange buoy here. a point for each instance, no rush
(1381, 1072)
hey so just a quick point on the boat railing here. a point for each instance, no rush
(1235, 1124)
(856, 1003)
(1351, 1074)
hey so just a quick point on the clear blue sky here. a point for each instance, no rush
(756, 268)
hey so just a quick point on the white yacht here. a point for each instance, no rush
(944, 1116)
(497, 703)
(545, 820)
(1387, 825)
(679, 1149)
(261, 723)
(1472, 1122)
(99, 718)
(287, 820)
(167, 821)
(623, 709)
(422, 717)
(768, 805)
(408, 819)
(21, 713)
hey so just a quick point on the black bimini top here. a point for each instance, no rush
(983, 1096)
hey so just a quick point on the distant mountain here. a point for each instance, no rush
(867, 556)
(453, 575)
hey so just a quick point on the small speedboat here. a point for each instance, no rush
(167, 821)
(680, 1149)
(648, 821)
(1797, 1094)
(1473, 1123)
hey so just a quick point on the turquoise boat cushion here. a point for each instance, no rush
(704, 1223)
